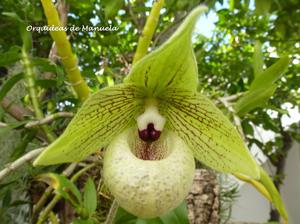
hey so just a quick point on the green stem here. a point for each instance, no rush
(53, 218)
(44, 214)
(64, 50)
(148, 31)
(30, 79)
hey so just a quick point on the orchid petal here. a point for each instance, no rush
(103, 116)
(173, 64)
(210, 135)
(148, 188)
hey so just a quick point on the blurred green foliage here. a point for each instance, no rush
(225, 63)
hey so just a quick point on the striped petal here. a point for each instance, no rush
(173, 64)
(210, 135)
(103, 116)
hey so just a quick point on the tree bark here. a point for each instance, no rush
(203, 200)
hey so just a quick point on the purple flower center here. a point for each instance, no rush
(149, 134)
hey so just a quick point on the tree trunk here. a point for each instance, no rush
(203, 200)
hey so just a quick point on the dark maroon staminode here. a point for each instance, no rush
(149, 134)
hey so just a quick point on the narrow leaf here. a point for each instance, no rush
(90, 196)
(9, 84)
(209, 134)
(271, 74)
(63, 186)
(173, 64)
(10, 56)
(258, 62)
(104, 115)
(253, 99)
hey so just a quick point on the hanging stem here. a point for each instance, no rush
(148, 31)
(30, 79)
(68, 59)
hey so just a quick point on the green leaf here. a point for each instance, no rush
(177, 216)
(111, 8)
(103, 116)
(21, 147)
(63, 187)
(46, 83)
(10, 56)
(253, 99)
(262, 87)
(90, 196)
(83, 221)
(258, 62)
(9, 84)
(25, 35)
(7, 198)
(209, 134)
(173, 64)
(262, 6)
(19, 202)
(9, 127)
(271, 74)
(124, 217)
(5, 130)
(83, 5)
(44, 65)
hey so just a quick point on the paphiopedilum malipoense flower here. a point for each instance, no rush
(153, 126)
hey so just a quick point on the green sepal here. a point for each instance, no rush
(209, 134)
(173, 64)
(104, 115)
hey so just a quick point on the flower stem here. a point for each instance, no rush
(68, 59)
(148, 31)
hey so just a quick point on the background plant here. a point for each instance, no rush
(227, 67)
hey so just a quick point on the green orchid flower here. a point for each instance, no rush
(154, 125)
